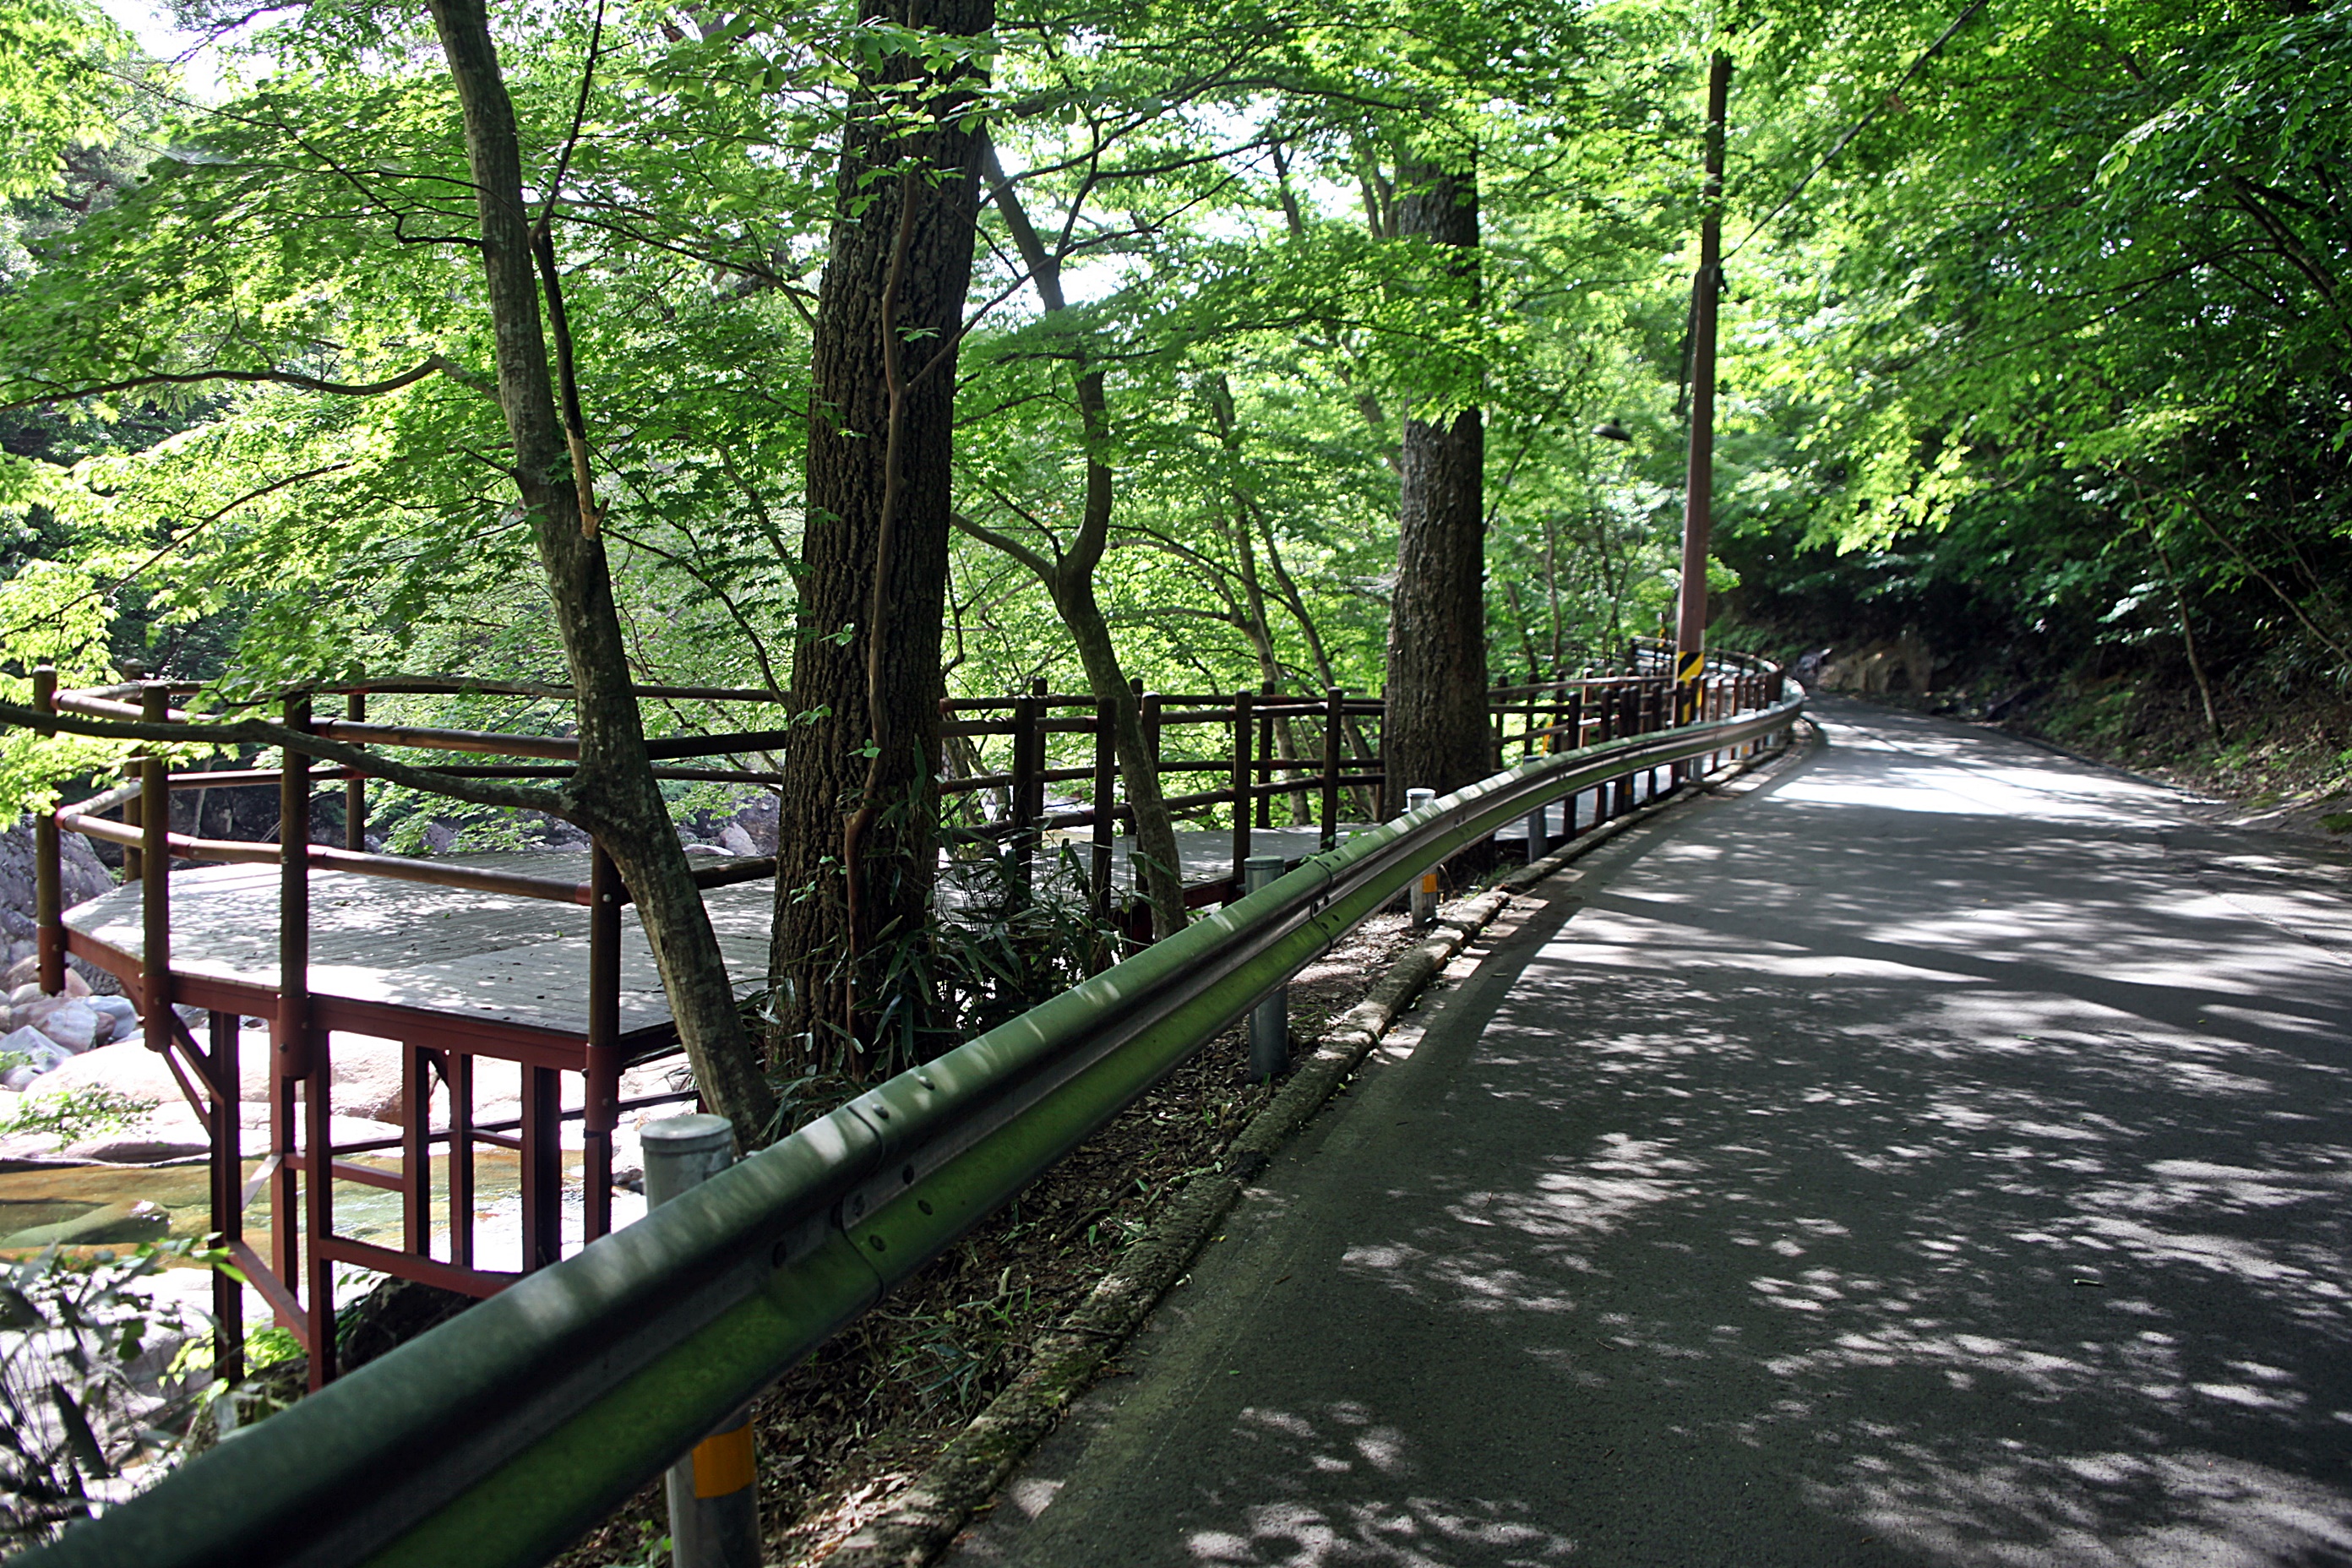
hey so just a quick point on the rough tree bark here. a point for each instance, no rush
(613, 793)
(1437, 734)
(857, 841)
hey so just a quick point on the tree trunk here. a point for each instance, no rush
(857, 840)
(1436, 728)
(1158, 871)
(1069, 579)
(617, 798)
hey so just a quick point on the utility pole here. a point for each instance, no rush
(1698, 492)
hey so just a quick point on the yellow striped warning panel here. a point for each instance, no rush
(723, 1464)
(1688, 663)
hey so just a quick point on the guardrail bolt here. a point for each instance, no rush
(1424, 887)
(714, 1491)
(1269, 1023)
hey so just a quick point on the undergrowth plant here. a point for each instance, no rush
(83, 1403)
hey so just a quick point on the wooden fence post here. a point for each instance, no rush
(601, 1108)
(301, 1057)
(48, 871)
(155, 877)
(1335, 746)
(1266, 749)
(1106, 813)
(1244, 777)
(225, 1133)
(354, 789)
(1025, 783)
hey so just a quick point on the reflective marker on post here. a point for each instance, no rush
(714, 1491)
(1424, 892)
(1269, 1023)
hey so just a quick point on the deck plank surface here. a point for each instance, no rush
(493, 956)
(501, 957)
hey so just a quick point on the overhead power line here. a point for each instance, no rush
(1859, 126)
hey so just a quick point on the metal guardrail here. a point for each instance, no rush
(498, 1438)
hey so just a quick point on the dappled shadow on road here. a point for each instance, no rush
(1989, 1182)
(1916, 1162)
(1389, 1519)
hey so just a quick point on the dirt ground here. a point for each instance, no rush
(845, 1431)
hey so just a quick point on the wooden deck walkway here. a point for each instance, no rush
(494, 957)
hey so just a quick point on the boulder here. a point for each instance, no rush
(758, 821)
(118, 1008)
(365, 1078)
(25, 991)
(736, 841)
(170, 1132)
(75, 1025)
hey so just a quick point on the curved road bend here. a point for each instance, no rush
(1939, 1155)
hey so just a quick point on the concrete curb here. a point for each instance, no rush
(914, 1531)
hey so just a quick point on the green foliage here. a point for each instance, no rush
(78, 1404)
(74, 1116)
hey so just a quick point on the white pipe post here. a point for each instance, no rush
(714, 1491)
(1424, 887)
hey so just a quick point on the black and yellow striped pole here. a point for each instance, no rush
(1698, 494)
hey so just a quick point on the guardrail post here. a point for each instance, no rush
(1269, 1021)
(1423, 903)
(49, 873)
(714, 1491)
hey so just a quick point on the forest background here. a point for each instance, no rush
(2033, 357)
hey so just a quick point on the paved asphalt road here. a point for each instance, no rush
(1937, 1155)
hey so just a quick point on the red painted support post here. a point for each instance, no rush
(225, 1133)
(355, 790)
(1244, 776)
(601, 1107)
(542, 1167)
(461, 1159)
(415, 1149)
(302, 1058)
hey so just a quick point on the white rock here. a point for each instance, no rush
(118, 1008)
(735, 841)
(28, 992)
(19, 1078)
